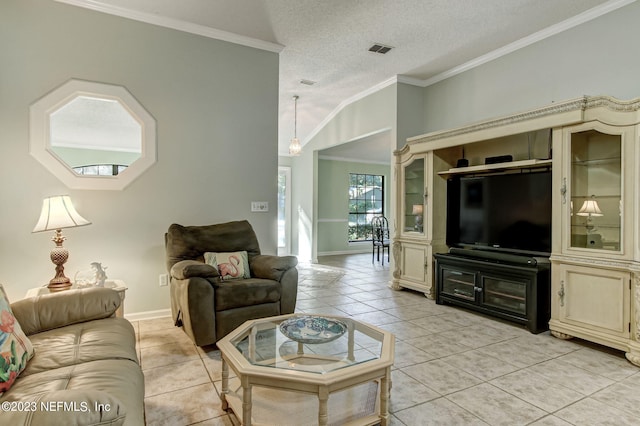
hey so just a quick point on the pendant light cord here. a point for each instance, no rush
(295, 116)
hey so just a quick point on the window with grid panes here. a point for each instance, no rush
(366, 200)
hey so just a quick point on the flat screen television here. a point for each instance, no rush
(506, 212)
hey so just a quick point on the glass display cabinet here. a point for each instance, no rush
(412, 246)
(595, 292)
(596, 183)
(414, 195)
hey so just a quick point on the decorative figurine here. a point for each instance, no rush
(100, 274)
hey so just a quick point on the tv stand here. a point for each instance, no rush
(508, 286)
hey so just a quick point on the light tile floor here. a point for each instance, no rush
(452, 366)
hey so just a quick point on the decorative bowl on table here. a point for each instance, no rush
(312, 329)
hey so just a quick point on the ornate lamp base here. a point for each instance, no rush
(59, 256)
(55, 285)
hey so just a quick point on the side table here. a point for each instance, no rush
(117, 285)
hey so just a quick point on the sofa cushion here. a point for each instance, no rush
(15, 348)
(54, 310)
(241, 293)
(230, 266)
(109, 338)
(83, 372)
(86, 407)
(116, 385)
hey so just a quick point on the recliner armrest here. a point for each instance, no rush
(192, 268)
(271, 267)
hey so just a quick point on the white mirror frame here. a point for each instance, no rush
(39, 140)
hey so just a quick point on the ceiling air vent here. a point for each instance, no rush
(380, 48)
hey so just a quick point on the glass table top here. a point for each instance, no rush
(262, 343)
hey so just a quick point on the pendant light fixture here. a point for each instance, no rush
(294, 147)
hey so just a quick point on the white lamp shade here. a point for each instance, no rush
(590, 208)
(417, 209)
(57, 213)
(294, 147)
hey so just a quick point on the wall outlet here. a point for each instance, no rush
(163, 280)
(259, 206)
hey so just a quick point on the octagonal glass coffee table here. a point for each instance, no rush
(354, 367)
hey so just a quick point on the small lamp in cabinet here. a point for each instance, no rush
(57, 213)
(590, 209)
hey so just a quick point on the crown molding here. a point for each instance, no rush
(175, 24)
(353, 160)
(410, 80)
(554, 109)
(204, 31)
(558, 28)
(567, 24)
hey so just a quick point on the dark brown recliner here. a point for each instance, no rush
(208, 308)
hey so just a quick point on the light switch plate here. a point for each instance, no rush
(163, 280)
(259, 206)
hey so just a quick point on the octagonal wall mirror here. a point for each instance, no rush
(92, 135)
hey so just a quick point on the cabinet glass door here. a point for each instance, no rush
(596, 182)
(506, 295)
(414, 185)
(459, 284)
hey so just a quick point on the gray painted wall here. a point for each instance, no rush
(595, 58)
(333, 204)
(411, 105)
(374, 113)
(215, 104)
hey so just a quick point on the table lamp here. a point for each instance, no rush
(590, 209)
(57, 213)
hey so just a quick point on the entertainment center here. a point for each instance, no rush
(531, 217)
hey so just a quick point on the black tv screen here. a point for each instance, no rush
(508, 212)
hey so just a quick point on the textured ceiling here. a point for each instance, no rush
(327, 41)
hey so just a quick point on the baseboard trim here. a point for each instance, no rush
(337, 253)
(147, 315)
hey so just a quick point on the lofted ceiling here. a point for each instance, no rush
(327, 41)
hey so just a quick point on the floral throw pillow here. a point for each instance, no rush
(15, 348)
(230, 266)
